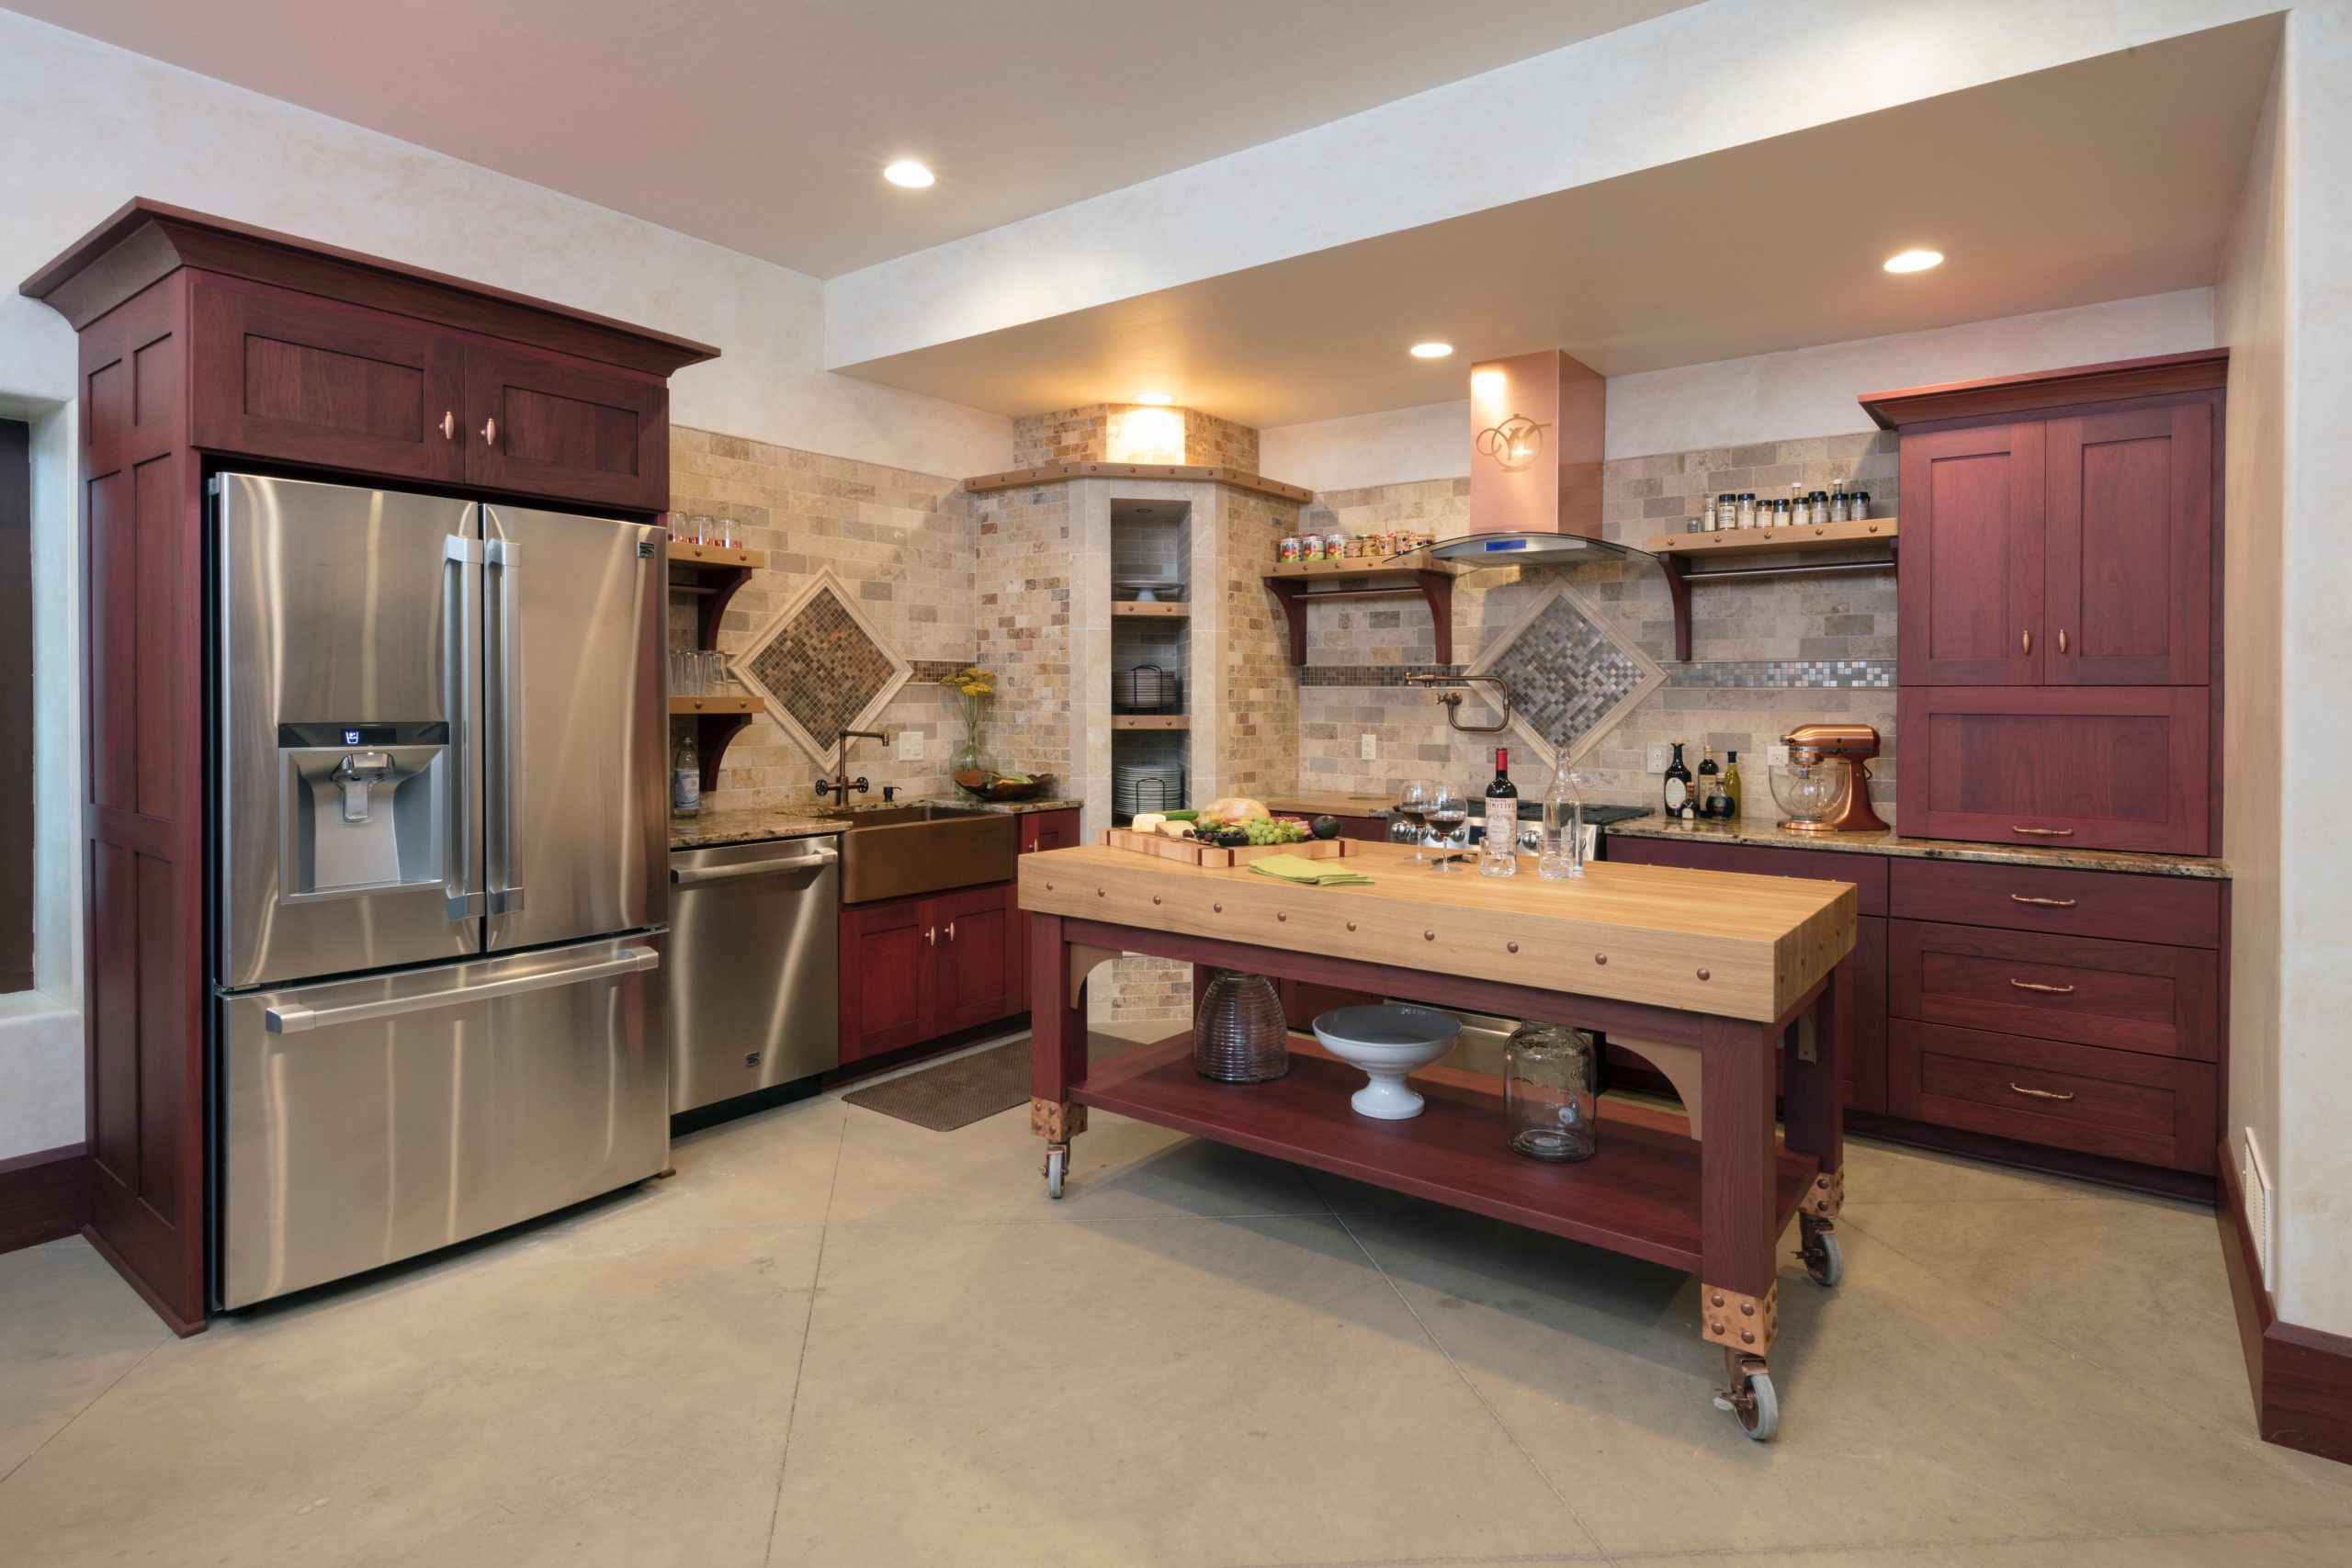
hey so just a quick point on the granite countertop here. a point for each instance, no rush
(757, 824)
(1767, 831)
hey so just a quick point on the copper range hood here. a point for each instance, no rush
(1536, 424)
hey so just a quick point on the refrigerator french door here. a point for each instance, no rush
(439, 869)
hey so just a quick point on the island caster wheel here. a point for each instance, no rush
(1056, 1168)
(1751, 1398)
(1824, 1260)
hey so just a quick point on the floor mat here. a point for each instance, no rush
(959, 1093)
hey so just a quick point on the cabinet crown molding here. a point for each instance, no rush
(2205, 369)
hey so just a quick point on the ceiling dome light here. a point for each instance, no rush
(1154, 398)
(1915, 261)
(908, 173)
(1430, 350)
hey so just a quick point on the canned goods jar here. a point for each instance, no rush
(1289, 549)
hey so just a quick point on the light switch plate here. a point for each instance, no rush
(1368, 747)
(1659, 756)
(911, 745)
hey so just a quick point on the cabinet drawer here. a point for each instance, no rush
(2174, 910)
(2121, 1104)
(1867, 873)
(326, 384)
(551, 428)
(2126, 994)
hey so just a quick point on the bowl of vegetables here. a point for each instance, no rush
(989, 784)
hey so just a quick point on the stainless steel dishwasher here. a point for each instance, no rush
(755, 979)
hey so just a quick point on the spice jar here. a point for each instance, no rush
(1287, 550)
(1548, 1092)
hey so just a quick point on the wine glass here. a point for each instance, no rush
(1446, 810)
(1412, 805)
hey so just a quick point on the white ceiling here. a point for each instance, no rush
(2107, 179)
(762, 125)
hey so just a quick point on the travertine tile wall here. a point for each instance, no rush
(1255, 735)
(904, 541)
(1025, 558)
(1735, 627)
(1065, 436)
(1145, 433)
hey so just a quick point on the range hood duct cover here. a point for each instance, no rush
(1536, 427)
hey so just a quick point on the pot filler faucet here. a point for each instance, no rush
(1453, 700)
(840, 784)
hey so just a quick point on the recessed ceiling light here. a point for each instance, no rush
(1431, 350)
(908, 173)
(1155, 398)
(1914, 261)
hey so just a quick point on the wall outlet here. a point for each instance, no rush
(1660, 757)
(1368, 746)
(1776, 756)
(911, 745)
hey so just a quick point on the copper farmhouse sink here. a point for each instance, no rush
(895, 852)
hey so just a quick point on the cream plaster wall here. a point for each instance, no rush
(1628, 100)
(1794, 395)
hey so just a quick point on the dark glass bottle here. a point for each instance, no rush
(1709, 785)
(1678, 786)
(1502, 804)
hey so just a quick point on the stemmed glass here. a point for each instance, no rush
(1413, 805)
(1446, 810)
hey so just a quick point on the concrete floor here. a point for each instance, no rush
(838, 1338)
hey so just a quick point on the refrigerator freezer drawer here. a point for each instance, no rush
(366, 1121)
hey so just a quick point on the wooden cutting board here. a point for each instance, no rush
(1186, 851)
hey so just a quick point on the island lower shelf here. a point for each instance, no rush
(1639, 1195)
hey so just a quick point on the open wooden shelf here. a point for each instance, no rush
(1758, 541)
(745, 703)
(1365, 577)
(1151, 609)
(1150, 721)
(1672, 551)
(1639, 1194)
(732, 556)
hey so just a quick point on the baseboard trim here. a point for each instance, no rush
(43, 1196)
(2302, 1378)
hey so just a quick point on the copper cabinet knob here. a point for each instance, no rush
(2062, 639)
(490, 432)
(449, 426)
(2024, 641)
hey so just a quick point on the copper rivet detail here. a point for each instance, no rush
(1352, 925)
(1429, 936)
(1704, 976)
(1748, 1309)
(1511, 946)
(1105, 893)
(1281, 915)
(1600, 958)
(1218, 908)
(1049, 887)
(1748, 1337)
(1717, 1298)
(1715, 1328)
(1155, 898)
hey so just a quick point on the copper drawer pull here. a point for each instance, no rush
(490, 432)
(2025, 640)
(448, 427)
(2062, 639)
(2044, 833)
(2053, 990)
(2037, 1093)
(951, 930)
(2042, 903)
(930, 936)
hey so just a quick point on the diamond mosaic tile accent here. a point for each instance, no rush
(821, 668)
(1570, 677)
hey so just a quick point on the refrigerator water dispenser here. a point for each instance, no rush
(366, 810)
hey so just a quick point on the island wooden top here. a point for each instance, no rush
(1738, 946)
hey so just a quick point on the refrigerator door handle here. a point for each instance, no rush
(503, 777)
(292, 1018)
(461, 562)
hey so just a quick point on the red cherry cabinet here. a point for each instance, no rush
(914, 969)
(2057, 605)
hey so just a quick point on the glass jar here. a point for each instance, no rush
(1548, 1093)
(1239, 1034)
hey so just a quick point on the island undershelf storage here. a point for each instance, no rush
(1701, 971)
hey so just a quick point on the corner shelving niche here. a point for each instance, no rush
(712, 573)
(1151, 543)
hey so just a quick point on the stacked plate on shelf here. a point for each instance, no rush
(1146, 786)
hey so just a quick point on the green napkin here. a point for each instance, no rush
(1308, 873)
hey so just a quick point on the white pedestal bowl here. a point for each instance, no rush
(1386, 1041)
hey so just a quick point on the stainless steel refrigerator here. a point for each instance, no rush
(438, 874)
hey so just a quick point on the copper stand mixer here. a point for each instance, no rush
(1826, 787)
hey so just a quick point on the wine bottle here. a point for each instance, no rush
(1710, 785)
(1500, 856)
(1678, 785)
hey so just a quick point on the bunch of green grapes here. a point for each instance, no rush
(1266, 830)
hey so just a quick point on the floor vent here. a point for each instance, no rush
(2254, 1180)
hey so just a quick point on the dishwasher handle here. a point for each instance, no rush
(702, 876)
(293, 1018)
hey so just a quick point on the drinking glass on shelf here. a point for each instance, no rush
(681, 675)
(1413, 805)
(713, 675)
(1447, 809)
(725, 532)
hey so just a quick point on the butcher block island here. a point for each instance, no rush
(1702, 973)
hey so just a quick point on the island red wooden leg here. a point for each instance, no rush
(1739, 1298)
(1057, 1046)
(1817, 1121)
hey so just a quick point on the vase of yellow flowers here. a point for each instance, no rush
(973, 687)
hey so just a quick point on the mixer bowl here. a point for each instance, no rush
(1808, 793)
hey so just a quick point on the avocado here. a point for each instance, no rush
(1325, 826)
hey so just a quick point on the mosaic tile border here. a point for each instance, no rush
(932, 672)
(1767, 674)
(1370, 675)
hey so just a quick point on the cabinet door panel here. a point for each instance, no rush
(554, 429)
(2130, 544)
(887, 997)
(2112, 768)
(326, 384)
(1969, 579)
(976, 959)
(1048, 830)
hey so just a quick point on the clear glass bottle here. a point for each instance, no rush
(1836, 500)
(1239, 1033)
(1561, 854)
(1548, 1092)
(1748, 509)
